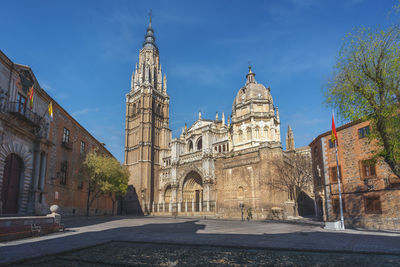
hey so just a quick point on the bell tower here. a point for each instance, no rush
(147, 133)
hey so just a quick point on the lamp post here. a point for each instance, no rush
(241, 206)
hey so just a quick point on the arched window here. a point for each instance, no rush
(133, 110)
(266, 133)
(249, 133)
(219, 149)
(240, 135)
(240, 193)
(199, 144)
(158, 109)
(257, 132)
(190, 146)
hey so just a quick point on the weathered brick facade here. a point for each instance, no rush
(38, 169)
(370, 191)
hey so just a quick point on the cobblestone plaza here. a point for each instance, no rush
(161, 241)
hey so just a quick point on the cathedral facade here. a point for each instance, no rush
(217, 167)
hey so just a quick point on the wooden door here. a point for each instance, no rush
(10, 187)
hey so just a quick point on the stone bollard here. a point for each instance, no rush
(54, 214)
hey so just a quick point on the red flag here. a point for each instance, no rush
(30, 97)
(334, 134)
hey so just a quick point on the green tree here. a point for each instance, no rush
(117, 183)
(366, 85)
(104, 174)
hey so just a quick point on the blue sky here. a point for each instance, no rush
(83, 54)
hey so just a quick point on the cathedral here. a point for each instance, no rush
(216, 167)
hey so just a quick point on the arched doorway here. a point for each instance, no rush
(167, 195)
(192, 192)
(13, 169)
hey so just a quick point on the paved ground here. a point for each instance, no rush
(142, 254)
(83, 233)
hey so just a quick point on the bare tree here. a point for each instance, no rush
(294, 176)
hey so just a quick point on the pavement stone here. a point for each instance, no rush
(82, 233)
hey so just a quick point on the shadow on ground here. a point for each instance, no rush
(190, 233)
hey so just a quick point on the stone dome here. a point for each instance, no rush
(252, 91)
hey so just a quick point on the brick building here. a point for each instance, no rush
(40, 156)
(370, 191)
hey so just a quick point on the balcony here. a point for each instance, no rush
(66, 145)
(23, 112)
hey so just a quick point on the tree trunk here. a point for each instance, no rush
(88, 203)
(296, 197)
(388, 148)
(113, 205)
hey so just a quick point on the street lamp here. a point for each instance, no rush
(241, 206)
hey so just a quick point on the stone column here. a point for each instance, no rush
(192, 205)
(185, 205)
(163, 206)
(179, 206)
(201, 201)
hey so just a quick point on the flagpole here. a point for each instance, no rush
(334, 139)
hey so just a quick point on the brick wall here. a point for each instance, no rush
(369, 189)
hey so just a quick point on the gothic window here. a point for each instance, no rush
(240, 134)
(219, 149)
(266, 133)
(257, 132)
(199, 144)
(249, 133)
(190, 146)
(133, 112)
(240, 193)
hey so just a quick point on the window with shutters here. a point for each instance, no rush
(363, 132)
(63, 172)
(333, 174)
(83, 147)
(331, 144)
(336, 206)
(65, 136)
(372, 204)
(367, 168)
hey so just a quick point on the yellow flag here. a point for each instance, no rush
(51, 109)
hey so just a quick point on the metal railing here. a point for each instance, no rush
(23, 111)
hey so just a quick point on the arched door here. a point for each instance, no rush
(10, 187)
(193, 191)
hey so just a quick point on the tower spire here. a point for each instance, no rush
(250, 76)
(149, 39)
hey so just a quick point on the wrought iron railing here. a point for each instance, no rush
(24, 112)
